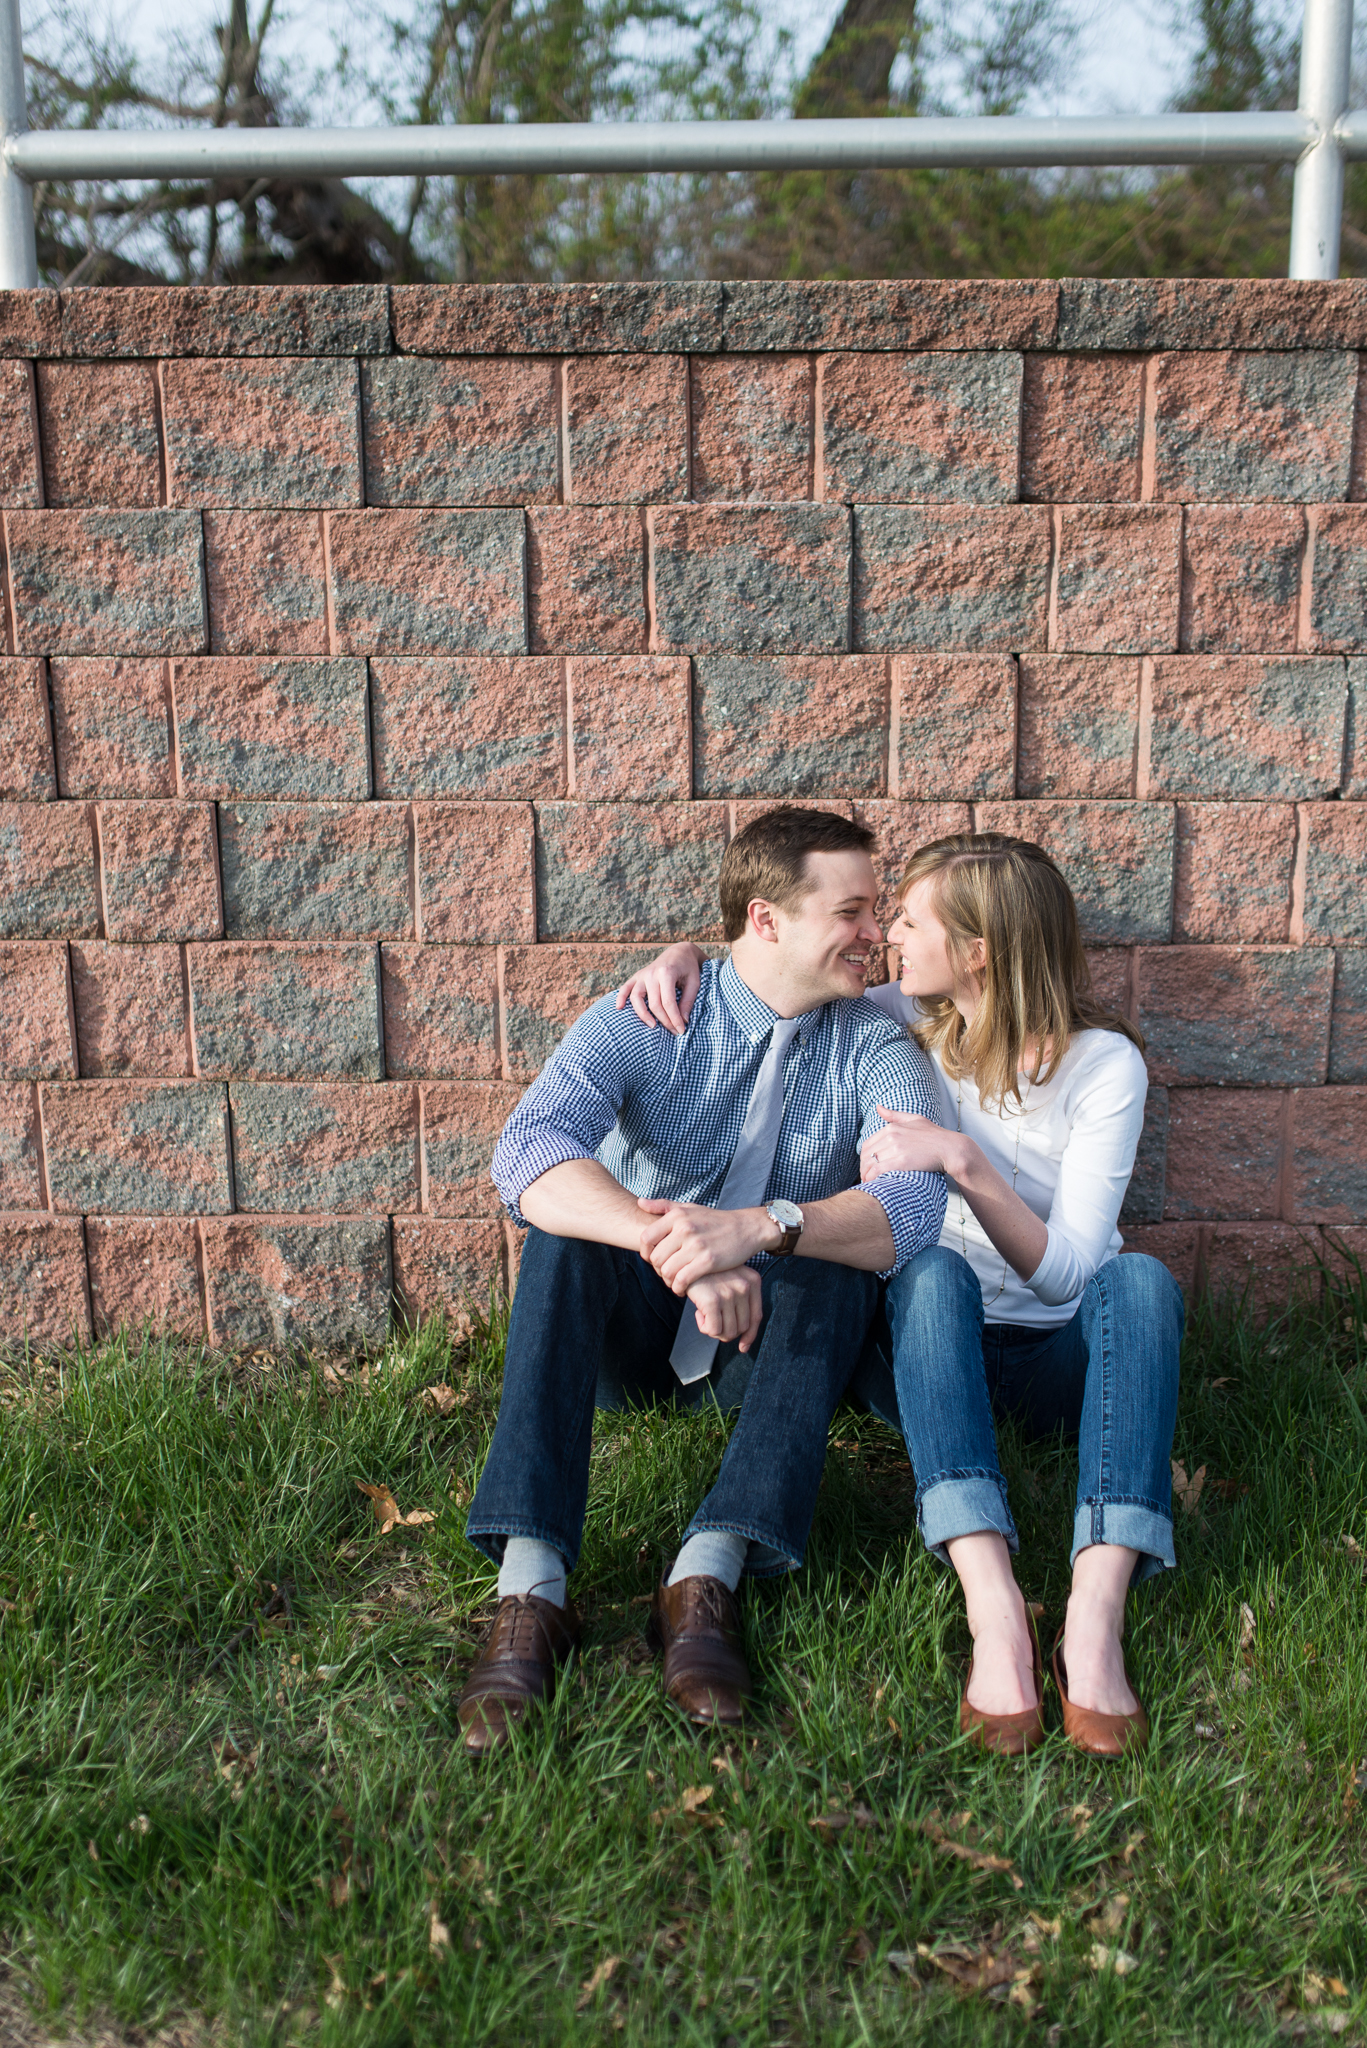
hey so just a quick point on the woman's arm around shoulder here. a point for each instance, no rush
(665, 991)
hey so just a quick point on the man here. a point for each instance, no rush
(654, 1172)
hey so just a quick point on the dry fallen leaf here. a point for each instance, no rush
(140, 1825)
(858, 1947)
(695, 1796)
(977, 1859)
(438, 1934)
(339, 1891)
(1110, 1918)
(92, 1852)
(976, 1969)
(1188, 1491)
(387, 1511)
(601, 1976)
(1118, 1959)
(1249, 1626)
(1350, 1544)
(833, 1824)
(441, 1399)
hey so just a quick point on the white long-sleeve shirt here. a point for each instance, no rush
(1077, 1137)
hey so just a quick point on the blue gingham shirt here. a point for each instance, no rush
(664, 1114)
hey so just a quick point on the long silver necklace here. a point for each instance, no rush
(1015, 1170)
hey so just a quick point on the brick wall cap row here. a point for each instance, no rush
(1076, 314)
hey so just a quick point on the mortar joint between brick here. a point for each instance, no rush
(36, 434)
(49, 714)
(1055, 554)
(219, 897)
(1305, 589)
(893, 779)
(87, 1290)
(1148, 432)
(648, 538)
(368, 713)
(44, 1181)
(1300, 858)
(562, 436)
(229, 1147)
(501, 1014)
(168, 684)
(1143, 731)
(187, 997)
(423, 1202)
(73, 1039)
(688, 429)
(11, 621)
(159, 422)
(202, 1272)
(567, 705)
(817, 440)
(97, 842)
(414, 876)
(329, 610)
(1286, 1160)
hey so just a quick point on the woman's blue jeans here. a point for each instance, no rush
(937, 1370)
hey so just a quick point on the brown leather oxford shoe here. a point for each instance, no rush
(697, 1624)
(515, 1669)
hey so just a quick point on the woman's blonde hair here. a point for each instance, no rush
(1036, 981)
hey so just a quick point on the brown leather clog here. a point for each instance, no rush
(1007, 1734)
(1095, 1733)
(697, 1625)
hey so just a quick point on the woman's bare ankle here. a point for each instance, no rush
(1093, 1657)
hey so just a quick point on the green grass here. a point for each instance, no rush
(152, 1499)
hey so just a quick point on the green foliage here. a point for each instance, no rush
(266, 1828)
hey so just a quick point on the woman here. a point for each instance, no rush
(1023, 1304)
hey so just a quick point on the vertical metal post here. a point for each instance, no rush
(1317, 201)
(18, 256)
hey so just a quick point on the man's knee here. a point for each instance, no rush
(846, 1294)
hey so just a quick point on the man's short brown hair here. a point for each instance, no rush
(768, 859)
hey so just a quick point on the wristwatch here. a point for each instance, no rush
(790, 1220)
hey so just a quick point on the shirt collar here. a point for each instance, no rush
(754, 1017)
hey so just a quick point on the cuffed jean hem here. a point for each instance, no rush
(963, 1504)
(766, 1560)
(1133, 1525)
(491, 1539)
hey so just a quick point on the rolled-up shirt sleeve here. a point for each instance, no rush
(567, 1112)
(898, 1076)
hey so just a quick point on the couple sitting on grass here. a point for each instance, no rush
(761, 1184)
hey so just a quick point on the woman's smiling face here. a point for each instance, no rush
(927, 970)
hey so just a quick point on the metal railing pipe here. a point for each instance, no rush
(1317, 198)
(18, 255)
(510, 149)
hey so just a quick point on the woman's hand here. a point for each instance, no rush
(911, 1144)
(651, 990)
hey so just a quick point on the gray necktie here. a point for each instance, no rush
(747, 1178)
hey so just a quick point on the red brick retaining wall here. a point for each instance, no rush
(384, 672)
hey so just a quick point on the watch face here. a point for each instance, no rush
(786, 1214)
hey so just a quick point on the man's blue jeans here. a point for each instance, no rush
(594, 1325)
(937, 1371)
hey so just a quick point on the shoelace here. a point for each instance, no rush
(517, 1630)
(709, 1605)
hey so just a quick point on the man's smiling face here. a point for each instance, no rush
(824, 942)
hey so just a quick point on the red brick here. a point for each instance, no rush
(112, 582)
(1210, 312)
(1330, 1160)
(1079, 719)
(1080, 428)
(476, 883)
(269, 432)
(323, 1282)
(902, 829)
(316, 871)
(26, 770)
(99, 433)
(113, 727)
(1119, 578)
(286, 1012)
(21, 1185)
(1246, 426)
(1115, 857)
(746, 809)
(1110, 968)
(130, 1011)
(451, 1269)
(30, 323)
(1224, 1153)
(428, 582)
(21, 476)
(159, 871)
(324, 1147)
(1246, 726)
(267, 586)
(586, 580)
(951, 576)
(628, 871)
(545, 988)
(490, 725)
(798, 725)
(47, 860)
(630, 725)
(38, 1041)
(478, 430)
(1175, 1245)
(144, 1270)
(1235, 1014)
(1335, 863)
(553, 319)
(1344, 1250)
(1144, 1197)
(1232, 883)
(1348, 1028)
(42, 1281)
(1337, 574)
(750, 579)
(894, 313)
(752, 427)
(226, 320)
(137, 1148)
(944, 424)
(1264, 1265)
(272, 728)
(956, 723)
(461, 1123)
(1241, 578)
(626, 420)
(440, 1011)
